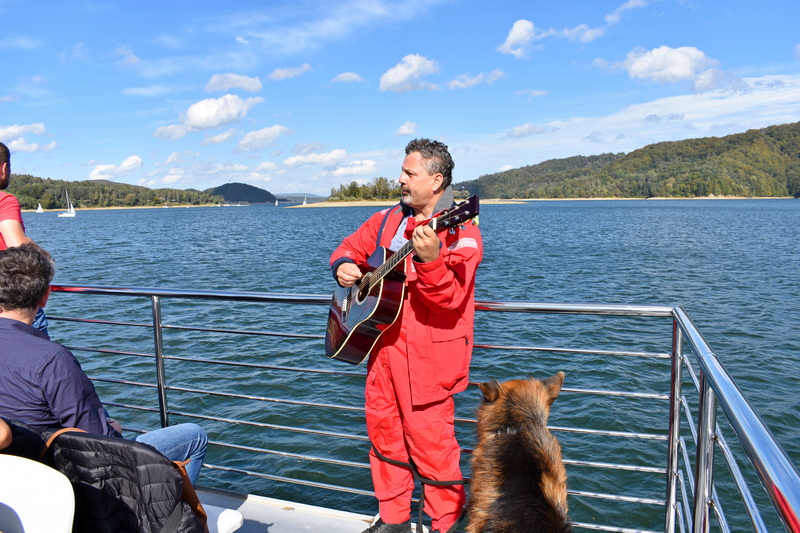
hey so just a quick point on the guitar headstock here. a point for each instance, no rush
(459, 214)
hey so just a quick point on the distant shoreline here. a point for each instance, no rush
(388, 203)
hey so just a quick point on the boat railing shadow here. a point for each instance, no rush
(656, 435)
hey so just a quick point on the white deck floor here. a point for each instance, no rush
(278, 516)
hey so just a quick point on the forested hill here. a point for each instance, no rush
(31, 191)
(241, 192)
(763, 162)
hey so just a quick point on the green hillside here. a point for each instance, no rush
(764, 162)
(241, 192)
(31, 191)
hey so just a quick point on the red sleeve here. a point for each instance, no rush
(9, 208)
(357, 247)
(447, 281)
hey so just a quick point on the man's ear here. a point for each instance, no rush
(43, 301)
(438, 180)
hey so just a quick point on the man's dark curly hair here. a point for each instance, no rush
(25, 274)
(436, 158)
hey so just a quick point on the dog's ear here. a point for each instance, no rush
(553, 385)
(490, 390)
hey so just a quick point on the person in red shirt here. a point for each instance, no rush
(12, 230)
(422, 359)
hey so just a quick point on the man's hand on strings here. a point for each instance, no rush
(348, 274)
(426, 243)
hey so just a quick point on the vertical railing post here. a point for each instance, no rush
(160, 374)
(704, 475)
(674, 428)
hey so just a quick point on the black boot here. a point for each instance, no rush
(382, 527)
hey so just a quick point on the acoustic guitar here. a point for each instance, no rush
(360, 314)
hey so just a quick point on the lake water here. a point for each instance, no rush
(733, 265)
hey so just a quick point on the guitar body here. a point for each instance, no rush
(358, 316)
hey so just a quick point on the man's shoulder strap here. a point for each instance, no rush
(386, 217)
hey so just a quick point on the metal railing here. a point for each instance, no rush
(684, 438)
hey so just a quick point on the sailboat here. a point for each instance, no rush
(70, 212)
(39, 209)
(304, 200)
(276, 202)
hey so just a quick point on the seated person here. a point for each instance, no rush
(42, 383)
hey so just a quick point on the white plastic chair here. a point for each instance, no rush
(221, 520)
(34, 498)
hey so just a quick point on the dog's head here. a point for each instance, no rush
(518, 401)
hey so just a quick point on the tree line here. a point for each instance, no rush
(32, 191)
(762, 162)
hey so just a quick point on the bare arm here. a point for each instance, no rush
(13, 233)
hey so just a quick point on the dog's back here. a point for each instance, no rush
(519, 483)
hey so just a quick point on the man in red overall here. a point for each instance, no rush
(422, 359)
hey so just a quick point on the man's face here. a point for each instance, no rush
(417, 185)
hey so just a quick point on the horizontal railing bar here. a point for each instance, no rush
(114, 352)
(265, 425)
(266, 367)
(299, 456)
(598, 392)
(239, 296)
(612, 529)
(617, 497)
(105, 322)
(246, 332)
(271, 477)
(614, 466)
(607, 433)
(265, 399)
(503, 347)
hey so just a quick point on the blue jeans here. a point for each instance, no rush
(178, 443)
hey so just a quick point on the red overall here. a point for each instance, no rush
(416, 367)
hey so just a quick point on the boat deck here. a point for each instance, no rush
(270, 515)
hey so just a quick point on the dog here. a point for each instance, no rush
(519, 483)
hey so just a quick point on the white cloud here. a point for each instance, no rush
(77, 52)
(288, 73)
(616, 16)
(20, 43)
(519, 38)
(464, 81)
(207, 114)
(672, 65)
(220, 138)
(257, 140)
(106, 172)
(326, 159)
(354, 168)
(348, 77)
(405, 76)
(409, 128)
(214, 112)
(10, 132)
(13, 137)
(171, 132)
(126, 55)
(530, 129)
(224, 82)
(531, 93)
(796, 51)
(152, 90)
(21, 145)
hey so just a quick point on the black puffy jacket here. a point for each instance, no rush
(121, 485)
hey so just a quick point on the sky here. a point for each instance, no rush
(302, 96)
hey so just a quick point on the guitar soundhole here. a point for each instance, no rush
(363, 288)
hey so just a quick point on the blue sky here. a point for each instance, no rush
(305, 95)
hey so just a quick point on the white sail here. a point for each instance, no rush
(70, 212)
(39, 209)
